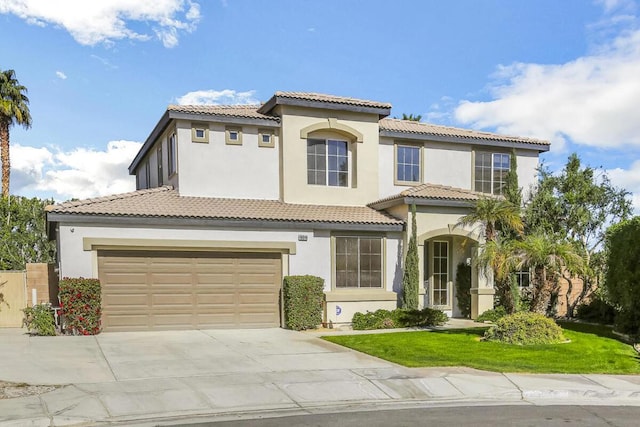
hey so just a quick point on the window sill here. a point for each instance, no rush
(407, 183)
(360, 294)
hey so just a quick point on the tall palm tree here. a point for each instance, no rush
(494, 214)
(547, 258)
(14, 109)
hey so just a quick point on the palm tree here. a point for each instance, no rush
(500, 257)
(411, 117)
(547, 258)
(494, 214)
(14, 109)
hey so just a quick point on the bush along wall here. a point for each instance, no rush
(303, 298)
(81, 305)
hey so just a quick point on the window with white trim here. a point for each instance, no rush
(491, 172)
(523, 278)
(160, 174)
(173, 163)
(407, 163)
(440, 289)
(327, 162)
(358, 262)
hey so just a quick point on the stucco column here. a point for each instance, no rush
(482, 290)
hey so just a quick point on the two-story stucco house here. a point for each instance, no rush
(230, 199)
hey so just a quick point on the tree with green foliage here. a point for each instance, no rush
(622, 282)
(411, 275)
(411, 117)
(512, 191)
(499, 257)
(493, 214)
(577, 205)
(23, 234)
(14, 109)
(548, 258)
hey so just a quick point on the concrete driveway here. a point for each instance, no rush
(151, 377)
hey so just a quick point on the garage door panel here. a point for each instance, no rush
(185, 290)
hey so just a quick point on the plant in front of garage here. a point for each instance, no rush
(398, 318)
(303, 301)
(81, 305)
(39, 320)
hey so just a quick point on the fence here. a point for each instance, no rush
(38, 283)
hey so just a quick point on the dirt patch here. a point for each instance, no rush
(10, 390)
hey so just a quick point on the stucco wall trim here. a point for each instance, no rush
(94, 243)
(333, 125)
(360, 295)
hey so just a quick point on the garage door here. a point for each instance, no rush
(188, 290)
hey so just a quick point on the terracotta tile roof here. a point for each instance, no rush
(419, 128)
(164, 202)
(244, 111)
(320, 97)
(433, 192)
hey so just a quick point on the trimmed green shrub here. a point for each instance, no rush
(492, 315)
(39, 320)
(622, 281)
(398, 318)
(525, 328)
(303, 299)
(80, 301)
(597, 311)
(463, 288)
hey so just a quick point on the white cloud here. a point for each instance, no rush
(61, 75)
(216, 97)
(104, 21)
(628, 179)
(592, 100)
(79, 173)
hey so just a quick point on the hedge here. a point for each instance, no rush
(398, 318)
(303, 301)
(81, 305)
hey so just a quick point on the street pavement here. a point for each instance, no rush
(151, 378)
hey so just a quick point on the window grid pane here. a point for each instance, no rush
(358, 262)
(500, 169)
(408, 164)
(316, 162)
(440, 273)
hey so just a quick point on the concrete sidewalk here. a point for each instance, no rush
(168, 377)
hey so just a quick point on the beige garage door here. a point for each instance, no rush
(188, 290)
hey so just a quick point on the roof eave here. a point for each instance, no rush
(420, 201)
(78, 218)
(268, 106)
(148, 143)
(460, 140)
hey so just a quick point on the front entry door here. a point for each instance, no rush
(440, 290)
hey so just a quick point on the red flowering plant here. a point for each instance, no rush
(80, 302)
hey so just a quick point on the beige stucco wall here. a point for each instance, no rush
(363, 158)
(447, 164)
(216, 169)
(313, 256)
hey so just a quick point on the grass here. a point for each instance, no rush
(593, 349)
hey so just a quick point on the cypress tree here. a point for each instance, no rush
(411, 277)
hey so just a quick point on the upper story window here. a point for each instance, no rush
(200, 132)
(358, 262)
(233, 136)
(160, 174)
(407, 164)
(266, 138)
(173, 163)
(491, 172)
(327, 162)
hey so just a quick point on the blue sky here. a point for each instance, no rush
(101, 73)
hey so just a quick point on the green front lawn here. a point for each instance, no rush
(591, 350)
